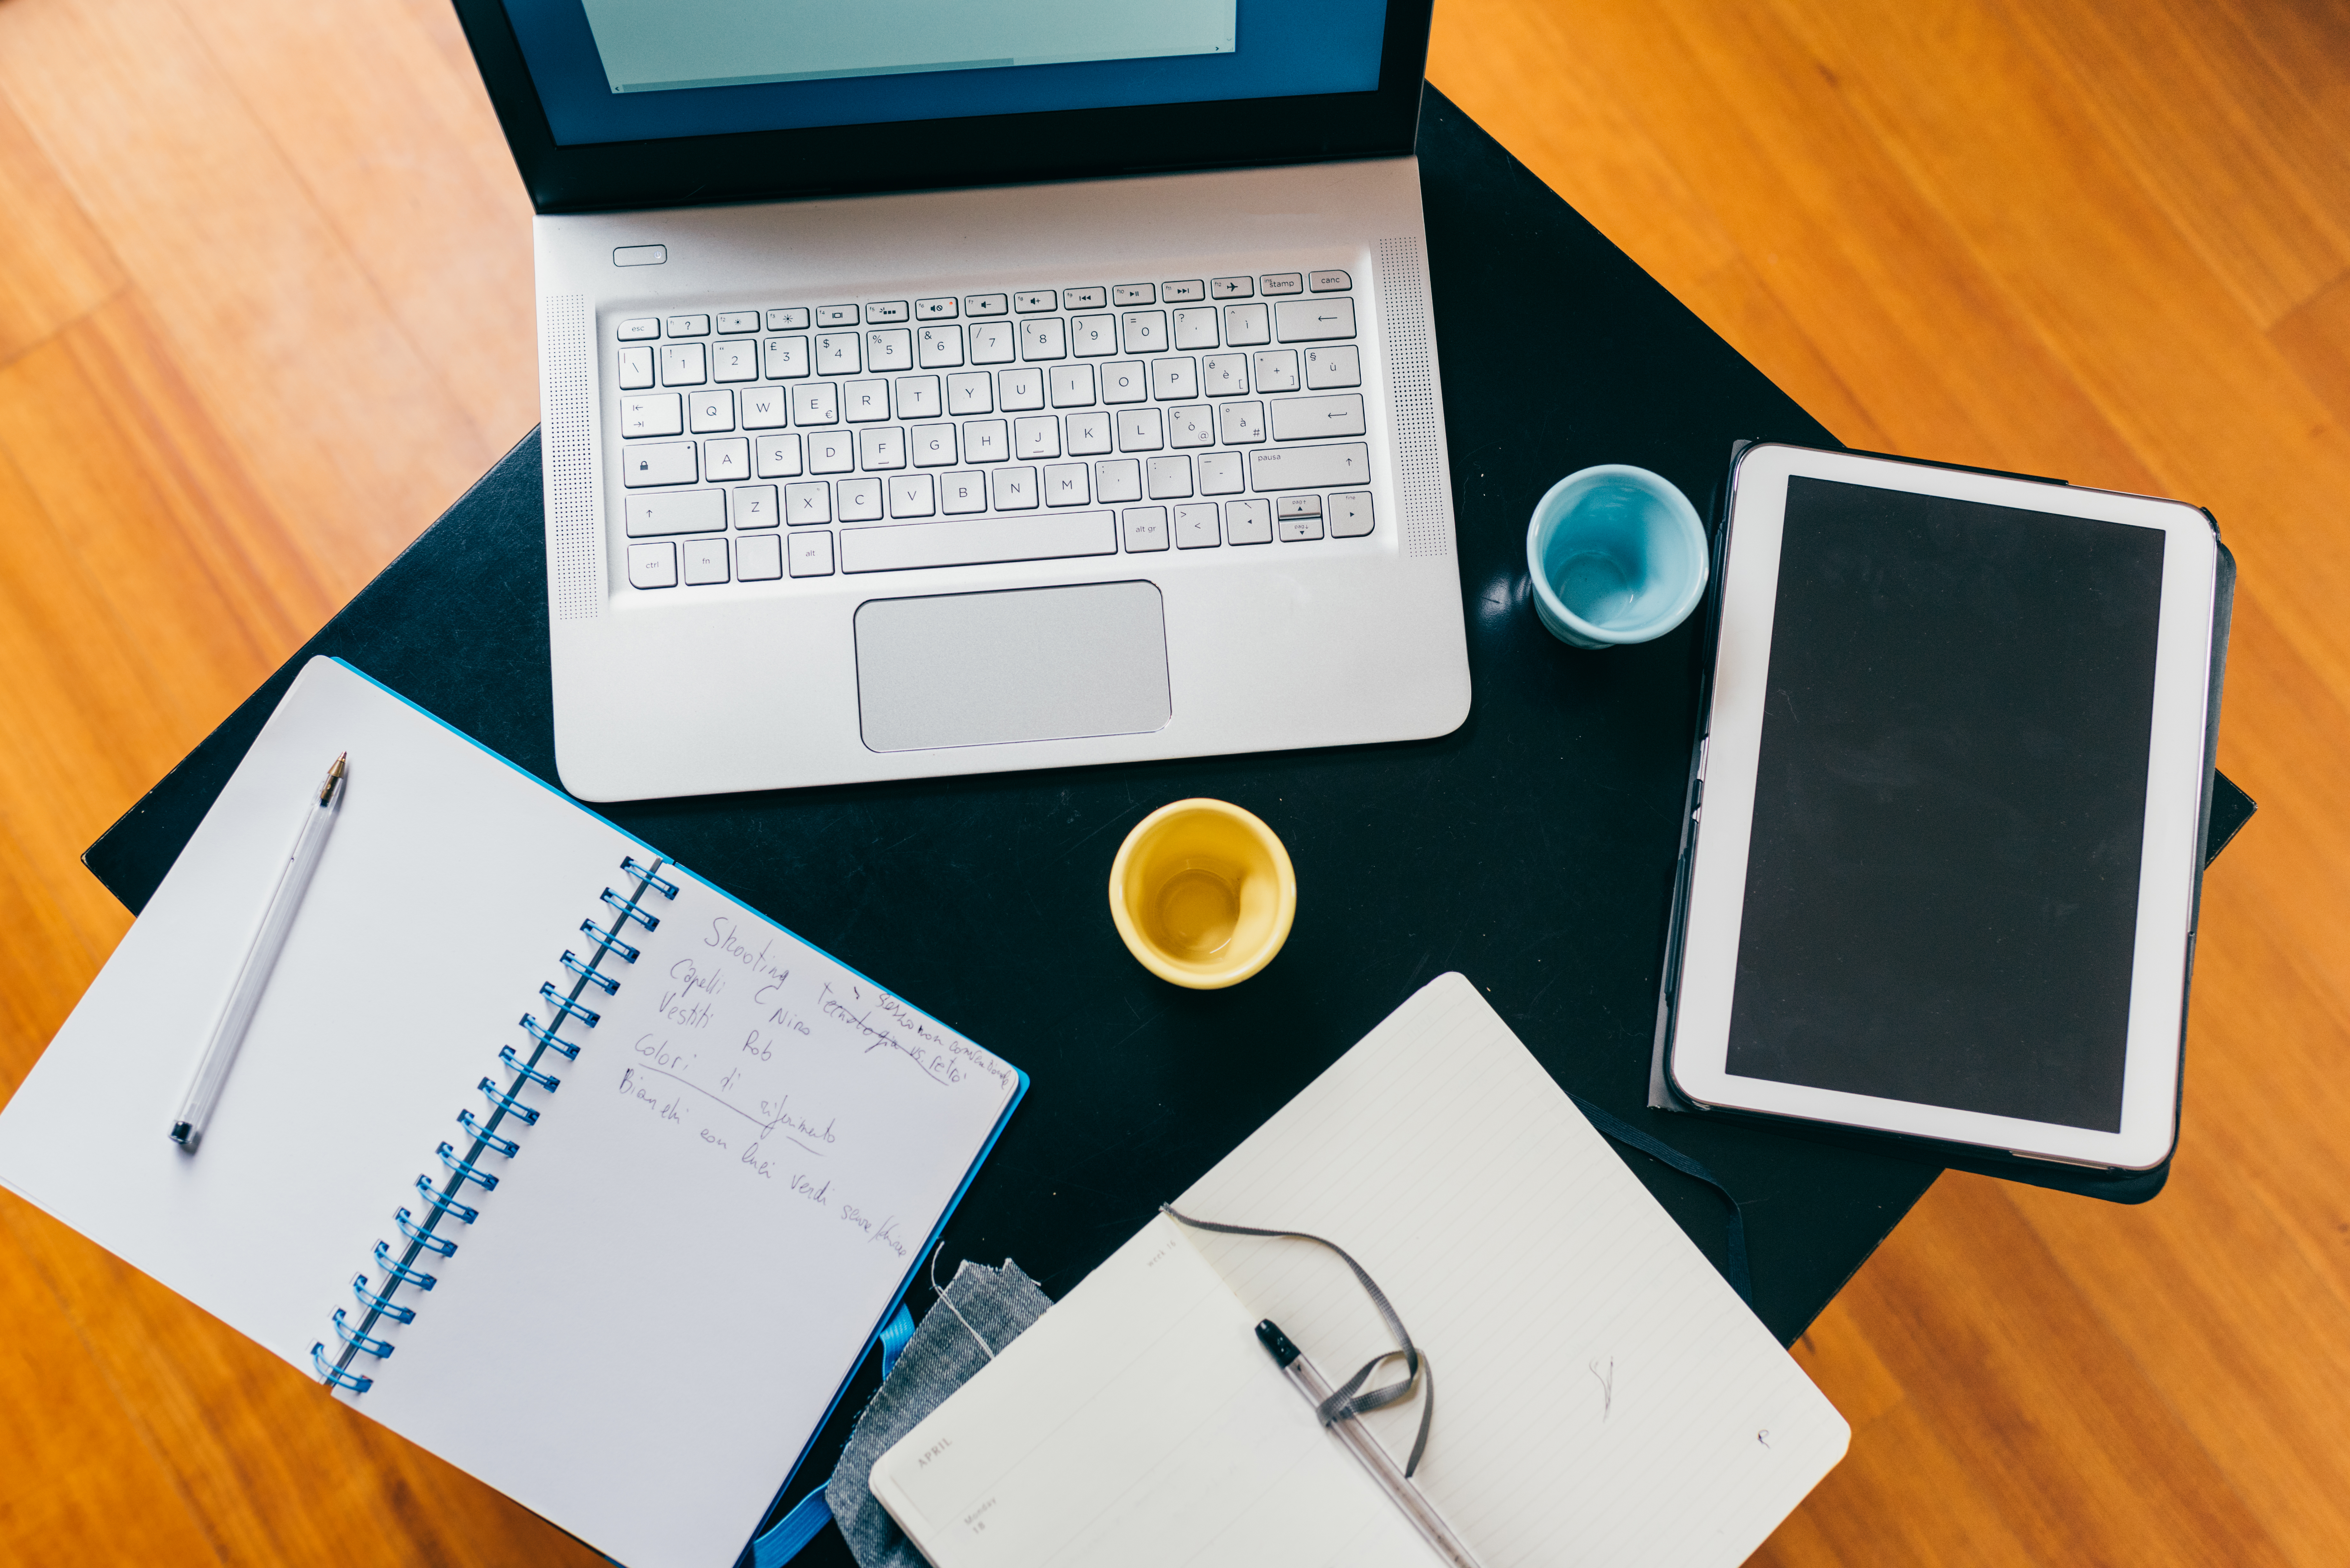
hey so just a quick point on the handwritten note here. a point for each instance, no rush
(782, 1065)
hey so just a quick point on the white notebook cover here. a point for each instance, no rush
(683, 1263)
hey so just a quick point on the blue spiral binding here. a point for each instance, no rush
(609, 942)
(650, 876)
(563, 1005)
(422, 1238)
(549, 1038)
(505, 1103)
(359, 1338)
(482, 1135)
(603, 982)
(394, 1270)
(629, 911)
(543, 1079)
(381, 1306)
(466, 1171)
(444, 1204)
(334, 1377)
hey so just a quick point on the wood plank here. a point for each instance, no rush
(146, 490)
(1836, 1354)
(132, 518)
(81, 1467)
(78, 704)
(1965, 1311)
(2250, 174)
(46, 963)
(54, 266)
(2302, 47)
(2314, 339)
(1908, 1499)
(318, 388)
(434, 219)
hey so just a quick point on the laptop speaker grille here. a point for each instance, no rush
(1411, 392)
(575, 540)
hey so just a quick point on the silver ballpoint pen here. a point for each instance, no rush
(1308, 1381)
(228, 1033)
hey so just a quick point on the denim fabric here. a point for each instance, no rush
(980, 1303)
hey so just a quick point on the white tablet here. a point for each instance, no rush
(1942, 874)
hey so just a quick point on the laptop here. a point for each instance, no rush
(937, 387)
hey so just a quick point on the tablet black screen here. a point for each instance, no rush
(1942, 897)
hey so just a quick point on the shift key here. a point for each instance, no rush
(702, 511)
(1310, 467)
(1311, 418)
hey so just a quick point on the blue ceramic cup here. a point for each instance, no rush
(1616, 554)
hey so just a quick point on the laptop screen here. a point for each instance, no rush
(642, 70)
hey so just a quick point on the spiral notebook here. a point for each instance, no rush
(540, 1151)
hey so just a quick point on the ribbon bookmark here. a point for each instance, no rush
(1344, 1404)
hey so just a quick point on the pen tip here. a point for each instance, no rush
(336, 771)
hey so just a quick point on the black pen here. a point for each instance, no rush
(1390, 1476)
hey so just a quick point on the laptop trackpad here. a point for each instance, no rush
(1026, 664)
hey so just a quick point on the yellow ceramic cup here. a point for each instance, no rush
(1202, 894)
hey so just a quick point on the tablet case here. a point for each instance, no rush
(2225, 810)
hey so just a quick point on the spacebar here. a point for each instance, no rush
(904, 545)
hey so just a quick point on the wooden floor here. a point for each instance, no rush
(264, 309)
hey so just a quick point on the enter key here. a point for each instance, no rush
(1308, 418)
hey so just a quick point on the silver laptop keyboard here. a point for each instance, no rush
(802, 441)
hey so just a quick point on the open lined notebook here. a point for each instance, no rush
(721, 1159)
(1603, 1396)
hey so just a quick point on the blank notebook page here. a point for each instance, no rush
(1603, 1396)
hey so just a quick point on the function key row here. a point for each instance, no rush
(1028, 302)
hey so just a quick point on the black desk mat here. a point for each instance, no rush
(1532, 849)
